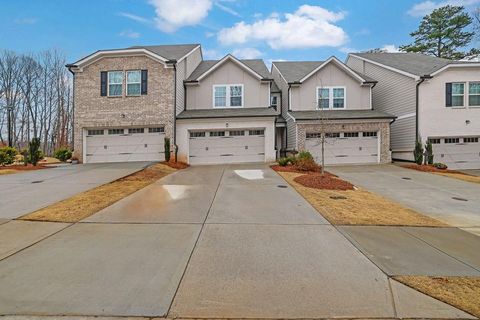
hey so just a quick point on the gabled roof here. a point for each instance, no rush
(410, 64)
(299, 71)
(255, 66)
(162, 53)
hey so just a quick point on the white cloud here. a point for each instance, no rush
(348, 50)
(308, 27)
(129, 34)
(390, 48)
(227, 9)
(247, 53)
(212, 54)
(426, 7)
(174, 14)
(134, 17)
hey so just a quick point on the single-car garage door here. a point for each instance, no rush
(227, 146)
(457, 152)
(125, 144)
(344, 147)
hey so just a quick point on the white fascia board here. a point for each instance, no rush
(415, 77)
(456, 65)
(339, 63)
(188, 54)
(235, 60)
(124, 52)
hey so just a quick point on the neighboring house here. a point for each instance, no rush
(125, 101)
(327, 97)
(228, 115)
(434, 99)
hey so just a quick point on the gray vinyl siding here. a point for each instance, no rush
(184, 70)
(291, 125)
(394, 94)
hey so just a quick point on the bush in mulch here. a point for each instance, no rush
(328, 181)
(427, 168)
(176, 165)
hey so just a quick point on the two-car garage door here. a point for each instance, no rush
(124, 144)
(344, 147)
(227, 146)
(457, 152)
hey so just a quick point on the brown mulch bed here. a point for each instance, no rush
(176, 165)
(427, 168)
(21, 167)
(327, 182)
(291, 168)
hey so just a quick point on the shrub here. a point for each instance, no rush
(305, 155)
(283, 161)
(429, 152)
(63, 154)
(7, 155)
(306, 165)
(34, 152)
(418, 152)
(167, 149)
(440, 165)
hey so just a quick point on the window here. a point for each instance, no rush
(470, 140)
(197, 134)
(274, 101)
(369, 134)
(136, 130)
(217, 134)
(236, 133)
(332, 135)
(474, 94)
(115, 82)
(458, 94)
(323, 96)
(134, 79)
(331, 98)
(338, 98)
(155, 130)
(228, 96)
(434, 140)
(115, 131)
(314, 135)
(95, 132)
(256, 132)
(350, 134)
(452, 140)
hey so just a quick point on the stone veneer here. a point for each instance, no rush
(382, 127)
(94, 111)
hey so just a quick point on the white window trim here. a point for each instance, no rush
(465, 86)
(330, 98)
(227, 102)
(473, 94)
(127, 83)
(108, 82)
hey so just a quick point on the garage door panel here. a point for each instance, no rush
(457, 155)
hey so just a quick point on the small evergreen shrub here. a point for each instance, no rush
(34, 152)
(167, 149)
(283, 161)
(440, 165)
(63, 154)
(306, 165)
(418, 152)
(7, 155)
(305, 155)
(429, 152)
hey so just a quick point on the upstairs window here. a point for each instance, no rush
(274, 101)
(134, 80)
(458, 94)
(331, 98)
(474, 94)
(115, 82)
(228, 96)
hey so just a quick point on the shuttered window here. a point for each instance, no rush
(134, 83)
(115, 82)
(455, 94)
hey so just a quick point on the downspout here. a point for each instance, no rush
(69, 67)
(175, 147)
(288, 109)
(422, 79)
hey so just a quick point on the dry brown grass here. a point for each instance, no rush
(360, 207)
(460, 292)
(8, 171)
(89, 202)
(459, 176)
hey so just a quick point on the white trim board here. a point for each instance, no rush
(235, 60)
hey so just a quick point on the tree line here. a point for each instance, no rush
(36, 100)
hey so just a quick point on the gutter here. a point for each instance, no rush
(422, 79)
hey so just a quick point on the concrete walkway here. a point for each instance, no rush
(452, 201)
(207, 242)
(22, 193)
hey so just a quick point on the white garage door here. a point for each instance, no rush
(457, 152)
(125, 144)
(227, 146)
(344, 147)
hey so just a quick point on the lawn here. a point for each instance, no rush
(90, 202)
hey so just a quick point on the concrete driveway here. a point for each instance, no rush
(450, 200)
(26, 192)
(207, 242)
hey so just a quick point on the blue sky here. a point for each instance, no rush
(272, 30)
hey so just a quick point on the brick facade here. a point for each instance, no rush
(95, 111)
(382, 127)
